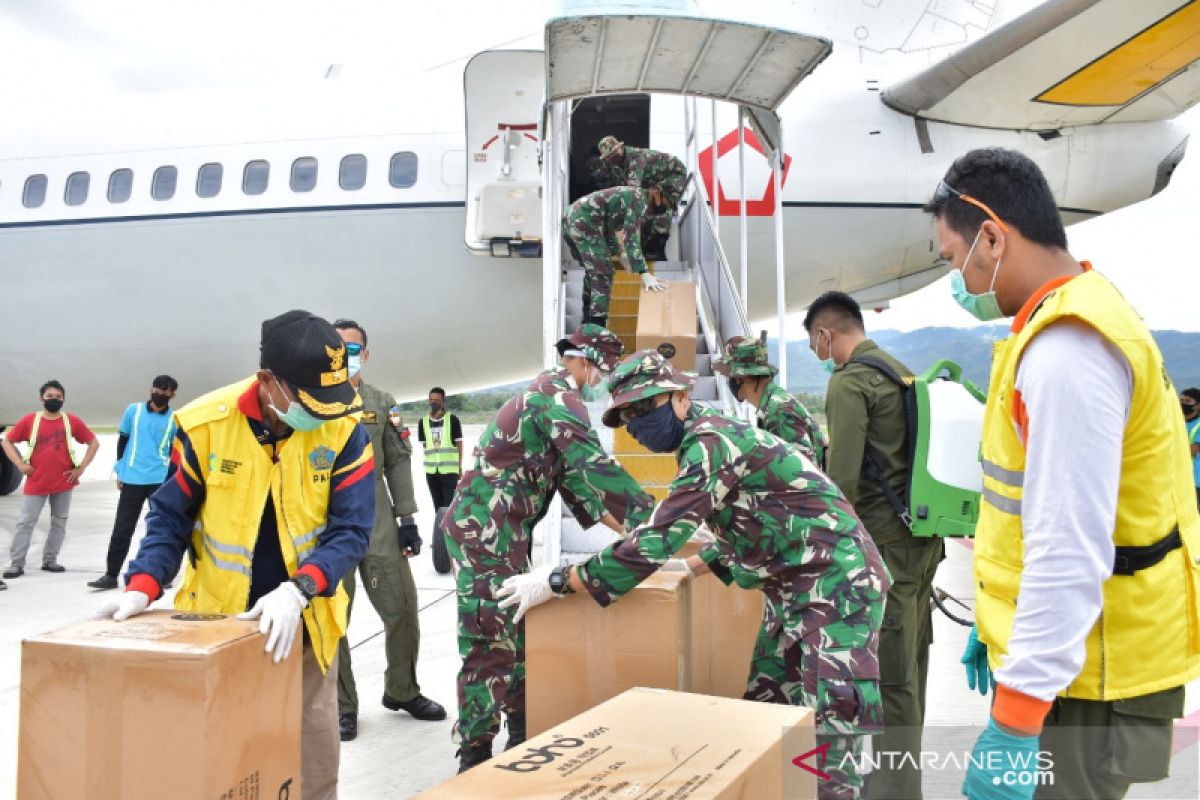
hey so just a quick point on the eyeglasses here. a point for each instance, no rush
(638, 408)
(354, 348)
(944, 191)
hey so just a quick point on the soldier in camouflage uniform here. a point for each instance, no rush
(780, 526)
(778, 412)
(643, 167)
(538, 442)
(597, 224)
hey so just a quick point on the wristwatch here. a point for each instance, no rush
(560, 582)
(306, 585)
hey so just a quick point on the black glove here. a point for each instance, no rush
(410, 538)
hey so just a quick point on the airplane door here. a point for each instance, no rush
(504, 93)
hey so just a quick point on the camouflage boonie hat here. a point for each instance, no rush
(608, 146)
(644, 374)
(744, 356)
(597, 343)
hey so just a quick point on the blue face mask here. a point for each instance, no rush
(354, 364)
(984, 307)
(296, 417)
(660, 431)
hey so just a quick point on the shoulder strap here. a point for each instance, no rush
(37, 422)
(873, 459)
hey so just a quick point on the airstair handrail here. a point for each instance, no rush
(724, 283)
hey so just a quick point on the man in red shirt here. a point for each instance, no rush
(51, 471)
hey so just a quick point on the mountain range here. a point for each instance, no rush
(971, 348)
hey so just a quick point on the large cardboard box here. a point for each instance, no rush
(167, 704)
(723, 625)
(667, 323)
(579, 654)
(652, 743)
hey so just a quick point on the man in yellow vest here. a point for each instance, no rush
(440, 434)
(1087, 552)
(271, 494)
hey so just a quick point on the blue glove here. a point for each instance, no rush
(979, 674)
(1003, 766)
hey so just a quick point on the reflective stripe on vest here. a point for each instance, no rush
(164, 451)
(37, 421)
(1154, 610)
(444, 457)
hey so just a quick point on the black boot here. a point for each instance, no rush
(470, 755)
(516, 732)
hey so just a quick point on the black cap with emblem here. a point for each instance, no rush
(306, 352)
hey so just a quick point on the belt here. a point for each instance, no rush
(1129, 560)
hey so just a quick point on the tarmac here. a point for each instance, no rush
(395, 755)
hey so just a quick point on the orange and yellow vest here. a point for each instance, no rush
(237, 475)
(1147, 637)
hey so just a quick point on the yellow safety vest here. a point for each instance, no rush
(237, 475)
(1147, 637)
(37, 422)
(444, 457)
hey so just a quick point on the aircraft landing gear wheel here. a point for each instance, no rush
(10, 476)
(441, 555)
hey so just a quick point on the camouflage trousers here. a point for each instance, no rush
(835, 672)
(597, 276)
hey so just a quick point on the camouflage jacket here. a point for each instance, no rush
(540, 441)
(644, 166)
(616, 215)
(786, 417)
(780, 526)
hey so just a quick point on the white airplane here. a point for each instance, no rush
(153, 233)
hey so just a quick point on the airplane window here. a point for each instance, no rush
(77, 188)
(120, 185)
(304, 174)
(208, 180)
(353, 172)
(255, 177)
(162, 185)
(403, 171)
(35, 191)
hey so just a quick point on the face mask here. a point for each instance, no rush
(435, 406)
(734, 386)
(827, 364)
(984, 307)
(1188, 409)
(159, 400)
(297, 418)
(354, 364)
(591, 394)
(52, 405)
(660, 431)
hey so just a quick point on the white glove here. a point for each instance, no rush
(652, 284)
(526, 591)
(280, 611)
(129, 604)
(678, 565)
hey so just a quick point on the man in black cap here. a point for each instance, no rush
(271, 494)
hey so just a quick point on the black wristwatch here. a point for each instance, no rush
(560, 581)
(306, 585)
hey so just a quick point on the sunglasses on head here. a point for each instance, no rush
(945, 191)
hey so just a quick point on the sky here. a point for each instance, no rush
(53, 50)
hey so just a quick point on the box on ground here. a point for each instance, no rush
(667, 323)
(167, 704)
(653, 743)
(724, 625)
(579, 654)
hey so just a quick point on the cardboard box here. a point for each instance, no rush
(723, 625)
(651, 743)
(667, 323)
(579, 654)
(167, 704)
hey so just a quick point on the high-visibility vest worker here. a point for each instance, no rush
(37, 421)
(1147, 638)
(441, 453)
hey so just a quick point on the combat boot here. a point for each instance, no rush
(469, 755)
(516, 732)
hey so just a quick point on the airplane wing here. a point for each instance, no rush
(1065, 63)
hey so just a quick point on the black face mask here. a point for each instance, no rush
(54, 405)
(660, 431)
(1189, 409)
(734, 386)
(159, 400)
(435, 406)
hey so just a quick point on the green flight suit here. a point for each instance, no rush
(864, 405)
(385, 572)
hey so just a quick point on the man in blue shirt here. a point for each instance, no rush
(1190, 400)
(143, 454)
